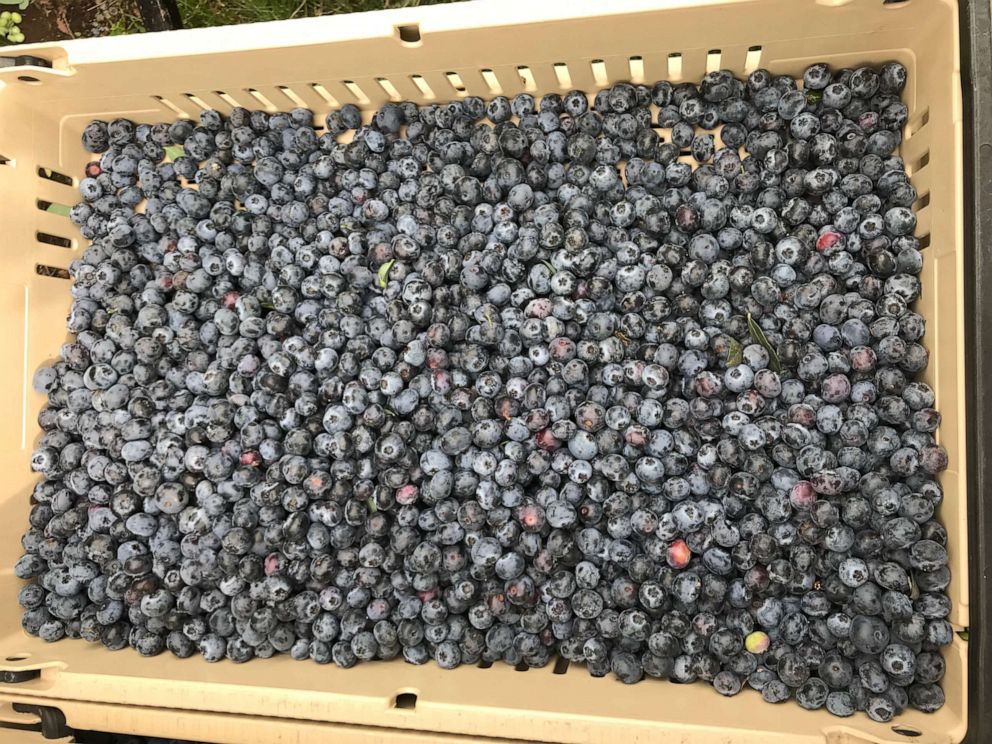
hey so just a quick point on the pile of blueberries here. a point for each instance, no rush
(629, 379)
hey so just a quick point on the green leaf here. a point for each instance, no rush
(383, 273)
(389, 411)
(60, 209)
(489, 318)
(266, 305)
(759, 338)
(963, 635)
(735, 353)
(174, 151)
(372, 506)
(814, 96)
(551, 268)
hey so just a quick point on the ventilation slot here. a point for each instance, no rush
(291, 95)
(196, 101)
(227, 98)
(904, 730)
(321, 91)
(422, 86)
(924, 241)
(922, 202)
(50, 239)
(527, 78)
(4, 160)
(674, 66)
(356, 91)
(752, 60)
(55, 272)
(51, 175)
(405, 700)
(265, 102)
(636, 65)
(409, 34)
(561, 665)
(491, 81)
(390, 89)
(599, 75)
(62, 210)
(922, 162)
(171, 106)
(561, 72)
(918, 124)
(456, 81)
(713, 60)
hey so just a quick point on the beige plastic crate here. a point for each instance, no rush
(422, 54)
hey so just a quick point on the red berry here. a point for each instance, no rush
(546, 440)
(406, 495)
(250, 458)
(93, 169)
(802, 495)
(531, 517)
(273, 562)
(231, 299)
(678, 554)
(828, 240)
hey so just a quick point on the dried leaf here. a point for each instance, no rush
(551, 268)
(759, 338)
(735, 353)
(914, 589)
(383, 273)
(963, 635)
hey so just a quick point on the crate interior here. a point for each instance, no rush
(439, 54)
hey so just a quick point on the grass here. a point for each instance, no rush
(198, 13)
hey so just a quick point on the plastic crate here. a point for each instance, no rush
(436, 54)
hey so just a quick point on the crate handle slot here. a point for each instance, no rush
(409, 34)
(675, 66)
(405, 700)
(563, 75)
(291, 95)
